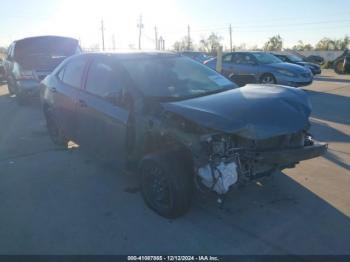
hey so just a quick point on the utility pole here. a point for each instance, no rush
(230, 30)
(161, 43)
(103, 35)
(113, 42)
(156, 36)
(140, 26)
(188, 37)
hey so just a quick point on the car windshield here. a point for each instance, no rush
(265, 58)
(175, 77)
(295, 58)
(45, 46)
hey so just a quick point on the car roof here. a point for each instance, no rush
(44, 37)
(279, 54)
(132, 54)
(247, 52)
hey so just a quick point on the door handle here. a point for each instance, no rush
(82, 103)
(53, 89)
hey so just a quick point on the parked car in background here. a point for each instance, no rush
(264, 68)
(2, 70)
(342, 63)
(181, 123)
(293, 59)
(198, 56)
(30, 60)
(316, 59)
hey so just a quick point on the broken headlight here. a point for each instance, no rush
(216, 144)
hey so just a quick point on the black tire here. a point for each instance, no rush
(167, 183)
(268, 79)
(56, 133)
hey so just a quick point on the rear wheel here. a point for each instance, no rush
(268, 79)
(56, 133)
(166, 182)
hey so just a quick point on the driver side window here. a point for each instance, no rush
(106, 81)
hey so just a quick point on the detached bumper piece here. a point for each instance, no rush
(293, 155)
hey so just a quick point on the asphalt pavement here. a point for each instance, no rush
(55, 201)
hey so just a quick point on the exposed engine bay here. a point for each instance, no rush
(231, 159)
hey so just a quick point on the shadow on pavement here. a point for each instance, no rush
(79, 206)
(336, 160)
(324, 132)
(331, 79)
(330, 107)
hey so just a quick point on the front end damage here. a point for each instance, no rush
(221, 160)
(243, 134)
(227, 160)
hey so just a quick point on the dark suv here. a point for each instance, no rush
(182, 124)
(30, 60)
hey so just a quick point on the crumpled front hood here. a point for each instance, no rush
(253, 111)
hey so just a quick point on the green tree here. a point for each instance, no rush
(333, 44)
(325, 44)
(210, 44)
(302, 47)
(182, 45)
(274, 43)
(342, 44)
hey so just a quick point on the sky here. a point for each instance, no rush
(253, 21)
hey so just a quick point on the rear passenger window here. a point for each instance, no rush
(227, 58)
(73, 72)
(238, 58)
(103, 79)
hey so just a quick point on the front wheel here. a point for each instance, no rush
(167, 184)
(268, 79)
(56, 133)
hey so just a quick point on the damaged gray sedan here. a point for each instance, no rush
(180, 124)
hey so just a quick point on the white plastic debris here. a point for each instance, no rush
(225, 175)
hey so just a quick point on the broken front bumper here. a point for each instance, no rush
(291, 155)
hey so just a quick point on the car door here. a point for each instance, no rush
(246, 67)
(65, 94)
(227, 66)
(102, 122)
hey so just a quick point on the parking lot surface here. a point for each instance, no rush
(55, 201)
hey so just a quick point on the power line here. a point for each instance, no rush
(222, 28)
